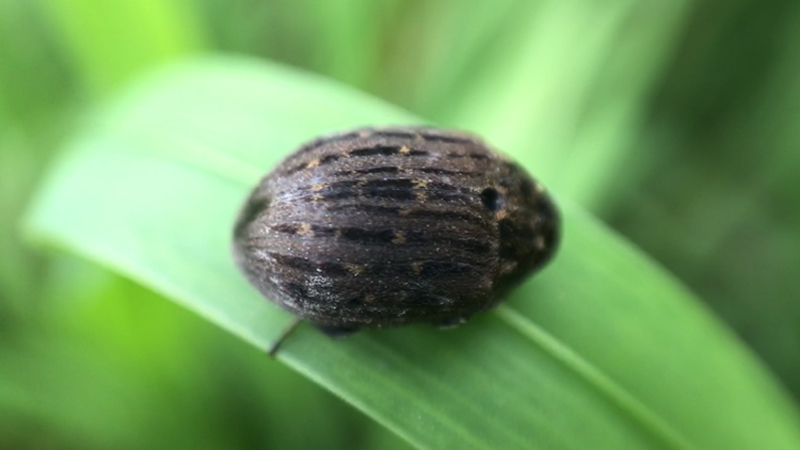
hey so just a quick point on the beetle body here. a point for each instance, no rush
(384, 227)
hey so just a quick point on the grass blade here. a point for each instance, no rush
(602, 350)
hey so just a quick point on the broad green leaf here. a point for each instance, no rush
(113, 365)
(601, 350)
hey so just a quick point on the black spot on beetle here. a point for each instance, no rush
(379, 150)
(445, 139)
(396, 183)
(367, 236)
(288, 228)
(394, 134)
(490, 199)
(390, 169)
(327, 159)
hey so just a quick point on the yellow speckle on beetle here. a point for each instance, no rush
(399, 238)
(508, 267)
(355, 269)
(404, 150)
(312, 163)
(317, 187)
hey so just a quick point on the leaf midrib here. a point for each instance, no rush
(441, 387)
(594, 377)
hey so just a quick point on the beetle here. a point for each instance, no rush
(381, 227)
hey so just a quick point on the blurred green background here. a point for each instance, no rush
(683, 116)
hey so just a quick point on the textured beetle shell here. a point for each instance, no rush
(383, 227)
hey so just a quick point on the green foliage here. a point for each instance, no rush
(717, 202)
(575, 116)
(674, 122)
(603, 349)
(114, 365)
(110, 42)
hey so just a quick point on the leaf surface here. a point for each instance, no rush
(603, 349)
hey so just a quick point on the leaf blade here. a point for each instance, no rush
(172, 232)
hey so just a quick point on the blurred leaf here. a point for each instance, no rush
(602, 350)
(349, 45)
(32, 78)
(33, 93)
(111, 42)
(18, 167)
(113, 365)
(717, 202)
(345, 39)
(455, 41)
(560, 85)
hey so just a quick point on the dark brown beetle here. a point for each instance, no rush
(384, 227)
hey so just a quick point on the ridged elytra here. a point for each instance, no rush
(380, 227)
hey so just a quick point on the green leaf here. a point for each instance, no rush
(110, 42)
(563, 86)
(601, 350)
